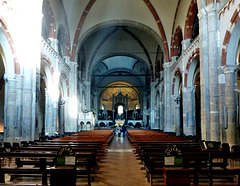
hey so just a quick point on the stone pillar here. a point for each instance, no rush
(144, 107)
(189, 113)
(10, 110)
(204, 78)
(177, 118)
(222, 106)
(168, 124)
(61, 119)
(96, 106)
(230, 98)
(55, 117)
(28, 104)
(161, 116)
(213, 72)
(48, 113)
(152, 106)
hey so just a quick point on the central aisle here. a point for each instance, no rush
(120, 167)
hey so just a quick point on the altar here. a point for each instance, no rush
(120, 122)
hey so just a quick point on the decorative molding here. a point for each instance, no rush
(61, 63)
(187, 53)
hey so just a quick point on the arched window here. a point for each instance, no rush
(120, 110)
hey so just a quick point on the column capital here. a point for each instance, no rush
(221, 70)
(230, 69)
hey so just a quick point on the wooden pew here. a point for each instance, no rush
(150, 148)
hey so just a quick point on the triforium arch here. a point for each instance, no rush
(191, 29)
(176, 45)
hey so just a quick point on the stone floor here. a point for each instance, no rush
(119, 167)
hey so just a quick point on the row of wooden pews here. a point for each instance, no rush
(42, 158)
(199, 163)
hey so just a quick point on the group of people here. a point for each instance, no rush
(121, 129)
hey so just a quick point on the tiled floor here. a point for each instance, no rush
(119, 167)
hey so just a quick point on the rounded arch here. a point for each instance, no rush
(176, 44)
(191, 14)
(119, 54)
(112, 23)
(8, 50)
(193, 61)
(64, 84)
(123, 23)
(231, 39)
(177, 79)
(152, 10)
(46, 70)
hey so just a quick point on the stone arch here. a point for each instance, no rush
(177, 78)
(231, 38)
(121, 22)
(188, 81)
(10, 56)
(192, 11)
(176, 42)
(63, 82)
(152, 10)
(47, 70)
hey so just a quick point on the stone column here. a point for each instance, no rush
(177, 118)
(55, 117)
(189, 113)
(161, 116)
(204, 78)
(96, 106)
(168, 124)
(10, 110)
(222, 107)
(48, 113)
(28, 104)
(61, 119)
(144, 107)
(213, 72)
(152, 106)
(230, 98)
